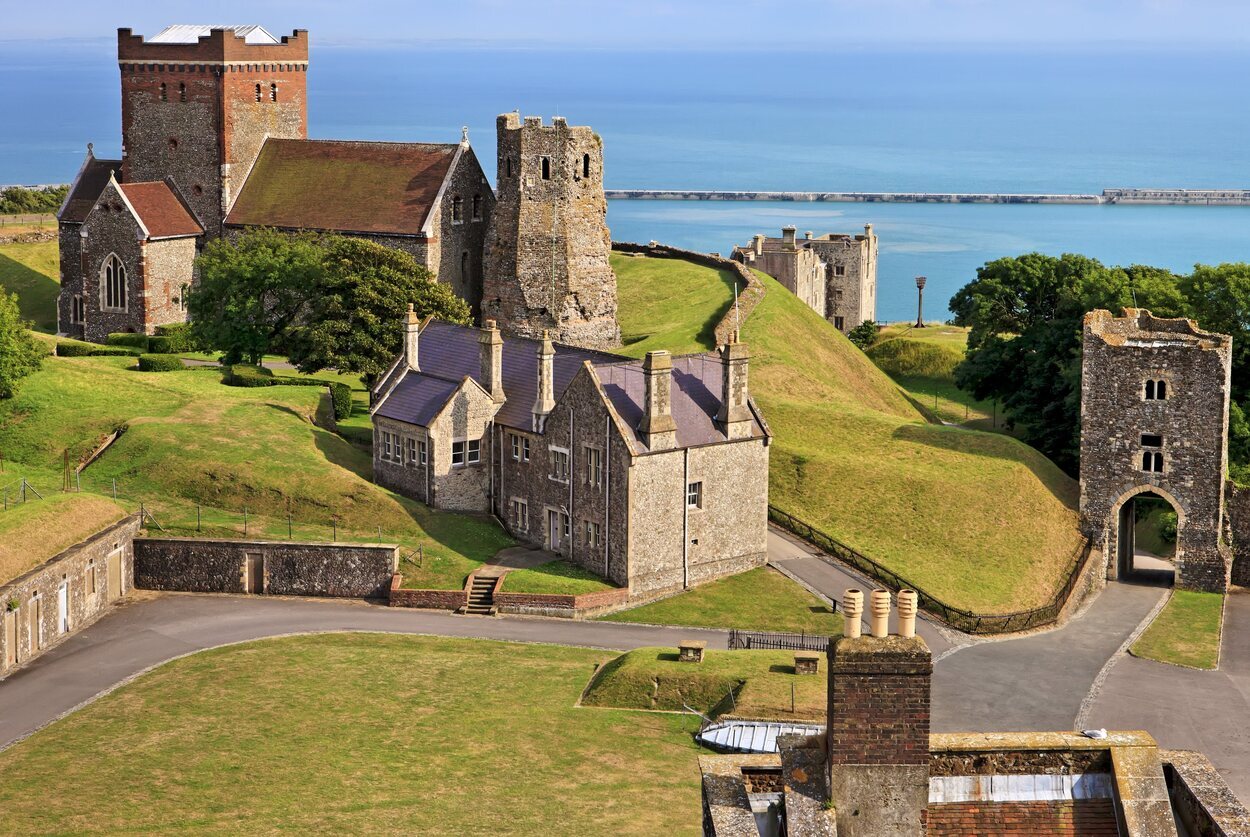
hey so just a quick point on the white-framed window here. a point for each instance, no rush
(594, 467)
(113, 284)
(594, 535)
(1156, 390)
(525, 449)
(558, 458)
(566, 529)
(694, 495)
(386, 445)
(520, 515)
(457, 454)
(410, 448)
(421, 452)
(466, 452)
(516, 446)
(475, 451)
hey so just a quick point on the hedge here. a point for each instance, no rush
(252, 376)
(160, 363)
(77, 348)
(341, 396)
(126, 338)
(177, 336)
(241, 375)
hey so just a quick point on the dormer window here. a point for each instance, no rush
(1156, 390)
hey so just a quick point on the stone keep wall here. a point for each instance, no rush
(547, 248)
(1119, 356)
(799, 269)
(96, 573)
(457, 253)
(290, 569)
(853, 295)
(111, 228)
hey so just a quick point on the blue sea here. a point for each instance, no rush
(936, 120)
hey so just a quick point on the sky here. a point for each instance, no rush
(669, 24)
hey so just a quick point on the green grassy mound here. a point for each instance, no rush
(756, 684)
(32, 272)
(34, 531)
(344, 733)
(911, 357)
(557, 577)
(978, 519)
(1186, 632)
(757, 600)
(673, 305)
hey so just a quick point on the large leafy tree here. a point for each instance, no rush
(253, 289)
(20, 355)
(354, 321)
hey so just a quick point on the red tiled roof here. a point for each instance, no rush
(161, 210)
(344, 186)
(87, 188)
(1062, 818)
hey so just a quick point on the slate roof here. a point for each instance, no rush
(448, 353)
(91, 180)
(161, 209)
(190, 33)
(344, 185)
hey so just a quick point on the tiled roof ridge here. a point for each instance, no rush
(328, 141)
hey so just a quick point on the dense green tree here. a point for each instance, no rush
(864, 334)
(1218, 299)
(20, 355)
(353, 324)
(251, 290)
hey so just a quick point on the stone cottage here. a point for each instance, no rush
(652, 474)
(834, 274)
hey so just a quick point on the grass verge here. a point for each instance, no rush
(759, 600)
(31, 271)
(1186, 632)
(558, 577)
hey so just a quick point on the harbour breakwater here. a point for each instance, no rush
(1177, 197)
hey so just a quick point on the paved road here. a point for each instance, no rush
(145, 633)
(1186, 709)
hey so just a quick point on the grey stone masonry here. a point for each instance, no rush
(546, 253)
(1154, 419)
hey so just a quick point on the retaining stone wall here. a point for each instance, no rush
(428, 599)
(1237, 512)
(290, 569)
(565, 606)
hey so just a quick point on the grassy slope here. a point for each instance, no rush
(559, 577)
(30, 271)
(761, 681)
(1186, 632)
(345, 733)
(761, 599)
(978, 519)
(34, 531)
(673, 305)
(922, 361)
(192, 440)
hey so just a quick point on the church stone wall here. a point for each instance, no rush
(111, 229)
(456, 256)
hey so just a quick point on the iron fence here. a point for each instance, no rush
(958, 618)
(756, 640)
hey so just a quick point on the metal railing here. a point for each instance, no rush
(958, 618)
(755, 640)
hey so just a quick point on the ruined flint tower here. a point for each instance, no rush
(197, 105)
(546, 259)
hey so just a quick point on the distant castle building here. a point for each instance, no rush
(214, 141)
(834, 274)
(547, 251)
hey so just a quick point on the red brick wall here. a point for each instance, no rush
(573, 604)
(431, 599)
(879, 701)
(1084, 817)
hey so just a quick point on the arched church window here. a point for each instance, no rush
(258, 92)
(273, 92)
(113, 284)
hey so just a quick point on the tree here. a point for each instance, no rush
(252, 290)
(1219, 299)
(20, 355)
(354, 324)
(864, 334)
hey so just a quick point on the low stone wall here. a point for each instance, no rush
(94, 574)
(749, 295)
(1201, 798)
(565, 606)
(427, 599)
(287, 568)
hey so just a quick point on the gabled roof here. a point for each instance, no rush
(190, 33)
(160, 209)
(344, 185)
(92, 178)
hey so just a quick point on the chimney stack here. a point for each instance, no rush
(658, 429)
(734, 416)
(546, 400)
(808, 235)
(867, 230)
(412, 327)
(490, 346)
(787, 235)
(757, 245)
(877, 740)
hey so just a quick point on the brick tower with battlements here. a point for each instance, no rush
(546, 259)
(198, 102)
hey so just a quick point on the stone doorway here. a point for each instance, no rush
(1148, 541)
(254, 573)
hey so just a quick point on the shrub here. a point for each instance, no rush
(126, 338)
(341, 396)
(77, 348)
(911, 357)
(176, 336)
(159, 363)
(241, 375)
(864, 334)
(159, 345)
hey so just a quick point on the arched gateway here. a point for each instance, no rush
(1154, 419)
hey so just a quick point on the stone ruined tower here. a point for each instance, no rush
(198, 102)
(546, 262)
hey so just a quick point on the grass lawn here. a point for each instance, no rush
(354, 733)
(922, 362)
(762, 684)
(759, 600)
(559, 577)
(34, 531)
(669, 304)
(978, 519)
(1186, 632)
(31, 271)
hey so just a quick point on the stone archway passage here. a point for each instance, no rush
(1131, 559)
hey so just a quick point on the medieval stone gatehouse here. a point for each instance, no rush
(653, 473)
(834, 274)
(1154, 419)
(547, 251)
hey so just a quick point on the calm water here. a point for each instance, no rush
(989, 121)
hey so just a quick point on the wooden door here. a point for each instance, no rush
(115, 574)
(254, 572)
(553, 530)
(62, 608)
(10, 638)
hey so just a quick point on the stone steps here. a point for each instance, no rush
(481, 600)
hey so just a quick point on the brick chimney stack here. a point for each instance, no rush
(490, 345)
(878, 734)
(658, 429)
(545, 402)
(412, 327)
(734, 416)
